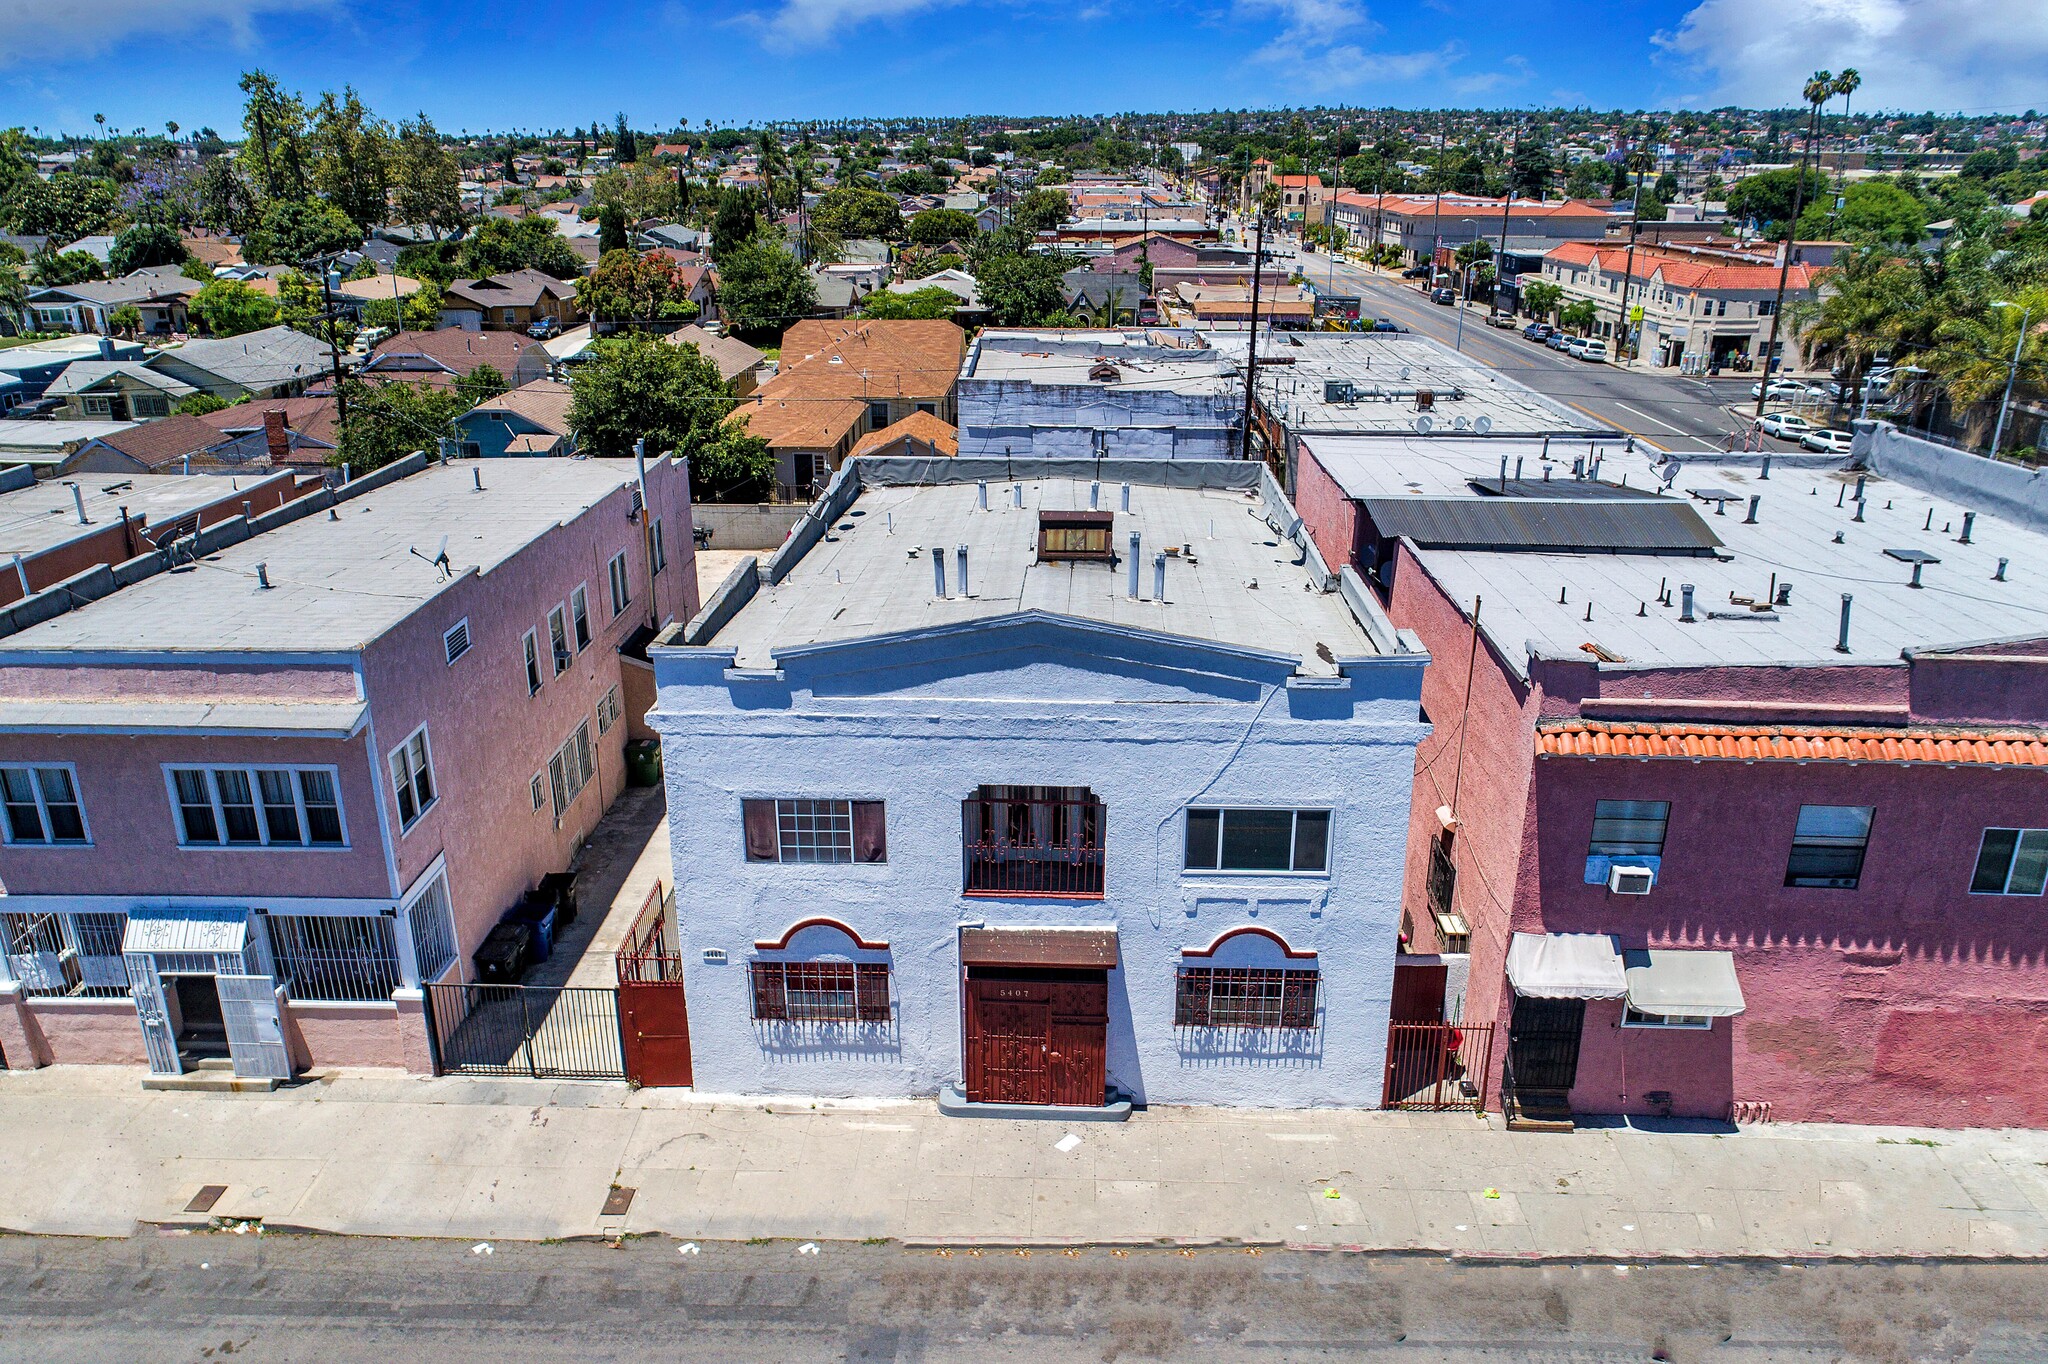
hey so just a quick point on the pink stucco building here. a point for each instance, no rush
(1734, 803)
(259, 794)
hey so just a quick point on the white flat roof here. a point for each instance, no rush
(336, 585)
(1057, 358)
(1792, 542)
(34, 519)
(1236, 583)
(1385, 370)
(1445, 466)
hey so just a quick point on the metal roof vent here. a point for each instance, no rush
(1918, 558)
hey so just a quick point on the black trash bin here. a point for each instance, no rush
(502, 958)
(559, 889)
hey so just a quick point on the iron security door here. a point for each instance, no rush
(147, 989)
(1011, 1043)
(654, 1028)
(248, 1009)
(1543, 1042)
(1037, 1036)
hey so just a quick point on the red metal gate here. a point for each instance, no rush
(654, 1017)
(1437, 1066)
(1037, 1036)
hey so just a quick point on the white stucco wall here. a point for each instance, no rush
(1151, 725)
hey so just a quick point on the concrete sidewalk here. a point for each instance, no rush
(86, 1151)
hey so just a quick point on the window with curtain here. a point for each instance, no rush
(796, 830)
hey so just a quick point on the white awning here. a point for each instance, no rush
(185, 930)
(1565, 966)
(1685, 984)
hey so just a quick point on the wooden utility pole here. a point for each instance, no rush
(1251, 359)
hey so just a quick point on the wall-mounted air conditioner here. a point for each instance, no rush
(1631, 880)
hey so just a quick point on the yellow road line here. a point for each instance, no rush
(1665, 449)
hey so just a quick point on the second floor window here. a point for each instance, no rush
(1033, 841)
(1828, 845)
(1629, 828)
(1258, 840)
(42, 805)
(534, 675)
(412, 775)
(558, 636)
(579, 616)
(657, 546)
(257, 807)
(622, 592)
(2011, 862)
(815, 830)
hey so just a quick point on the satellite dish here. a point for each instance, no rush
(1422, 425)
(1459, 422)
(1483, 425)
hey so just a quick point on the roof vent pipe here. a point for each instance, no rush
(1094, 496)
(963, 571)
(1579, 467)
(1750, 519)
(1017, 495)
(21, 572)
(1134, 566)
(938, 570)
(1685, 604)
(1503, 473)
(1765, 475)
(1997, 577)
(1969, 521)
(1861, 479)
(476, 477)
(78, 501)
(981, 494)
(1842, 640)
(1159, 577)
(1127, 497)
(1518, 468)
(1859, 510)
(263, 576)
(1918, 564)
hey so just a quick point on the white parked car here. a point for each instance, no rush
(1595, 350)
(1577, 345)
(1782, 388)
(1827, 440)
(1785, 425)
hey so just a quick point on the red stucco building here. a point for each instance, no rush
(1734, 803)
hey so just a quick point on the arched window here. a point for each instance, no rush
(1248, 978)
(820, 971)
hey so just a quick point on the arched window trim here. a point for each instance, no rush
(820, 921)
(1256, 931)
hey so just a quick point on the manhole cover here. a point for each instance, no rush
(616, 1202)
(207, 1196)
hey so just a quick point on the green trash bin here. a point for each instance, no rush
(643, 762)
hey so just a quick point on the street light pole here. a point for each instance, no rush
(1251, 359)
(2012, 373)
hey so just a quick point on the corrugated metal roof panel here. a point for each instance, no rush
(185, 930)
(1530, 523)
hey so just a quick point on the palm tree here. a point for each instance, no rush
(1818, 91)
(1974, 354)
(1845, 85)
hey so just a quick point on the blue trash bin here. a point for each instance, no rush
(539, 915)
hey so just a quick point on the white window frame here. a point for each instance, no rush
(558, 639)
(579, 616)
(410, 783)
(536, 676)
(251, 770)
(574, 762)
(448, 648)
(608, 711)
(1293, 833)
(538, 789)
(43, 809)
(657, 548)
(1631, 1018)
(96, 405)
(621, 584)
(2011, 865)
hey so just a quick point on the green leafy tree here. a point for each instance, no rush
(1767, 197)
(1041, 210)
(1541, 297)
(625, 288)
(300, 306)
(387, 422)
(937, 226)
(1023, 290)
(49, 268)
(440, 262)
(920, 264)
(229, 307)
(66, 207)
(611, 229)
(762, 288)
(354, 152)
(143, 245)
(274, 151)
(734, 221)
(625, 146)
(1874, 211)
(298, 232)
(418, 311)
(503, 244)
(849, 212)
(426, 181)
(637, 386)
(126, 319)
(637, 191)
(1530, 168)
(223, 199)
(480, 385)
(929, 302)
(1586, 180)
(1578, 316)
(199, 404)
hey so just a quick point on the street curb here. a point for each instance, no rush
(1082, 1242)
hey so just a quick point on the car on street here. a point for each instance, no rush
(1790, 389)
(1594, 350)
(1559, 340)
(1443, 296)
(1827, 440)
(544, 328)
(1503, 320)
(1385, 326)
(1416, 272)
(1538, 331)
(1785, 425)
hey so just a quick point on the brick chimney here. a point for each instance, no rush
(276, 436)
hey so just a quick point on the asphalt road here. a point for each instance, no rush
(211, 1297)
(1670, 411)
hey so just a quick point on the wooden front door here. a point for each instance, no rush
(1037, 1036)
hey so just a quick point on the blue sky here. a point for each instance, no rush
(543, 64)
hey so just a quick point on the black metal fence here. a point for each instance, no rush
(541, 1031)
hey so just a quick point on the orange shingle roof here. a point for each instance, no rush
(1680, 269)
(868, 359)
(935, 435)
(1789, 743)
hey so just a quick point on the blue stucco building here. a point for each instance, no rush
(1046, 782)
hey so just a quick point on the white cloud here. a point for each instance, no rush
(37, 30)
(1322, 48)
(1912, 54)
(814, 23)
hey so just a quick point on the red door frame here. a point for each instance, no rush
(1074, 1043)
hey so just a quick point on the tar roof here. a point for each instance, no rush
(1385, 370)
(1151, 359)
(1241, 586)
(1791, 545)
(337, 585)
(34, 519)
